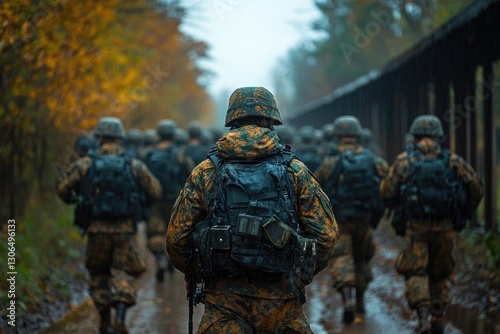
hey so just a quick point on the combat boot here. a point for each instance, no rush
(423, 323)
(161, 264)
(105, 326)
(360, 302)
(348, 316)
(119, 325)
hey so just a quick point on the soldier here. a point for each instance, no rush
(150, 139)
(259, 224)
(438, 191)
(171, 168)
(108, 187)
(196, 148)
(351, 178)
(84, 144)
(133, 142)
(306, 151)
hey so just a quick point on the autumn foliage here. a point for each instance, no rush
(65, 63)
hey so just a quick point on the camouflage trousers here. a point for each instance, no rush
(351, 260)
(114, 262)
(157, 226)
(427, 264)
(231, 313)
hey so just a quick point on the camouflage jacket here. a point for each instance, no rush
(398, 174)
(68, 188)
(313, 207)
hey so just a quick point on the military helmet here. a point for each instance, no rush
(133, 137)
(306, 133)
(347, 126)
(252, 101)
(328, 130)
(166, 129)
(427, 125)
(195, 129)
(149, 137)
(109, 127)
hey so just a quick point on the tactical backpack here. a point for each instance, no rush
(243, 232)
(164, 164)
(112, 188)
(354, 187)
(432, 189)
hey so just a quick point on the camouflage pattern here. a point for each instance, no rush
(113, 258)
(347, 126)
(356, 248)
(313, 207)
(427, 259)
(353, 253)
(161, 210)
(427, 125)
(241, 314)
(252, 101)
(69, 186)
(114, 261)
(428, 262)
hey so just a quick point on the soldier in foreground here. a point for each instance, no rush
(252, 224)
(434, 193)
(109, 187)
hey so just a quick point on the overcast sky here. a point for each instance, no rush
(247, 37)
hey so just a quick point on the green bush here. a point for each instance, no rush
(45, 241)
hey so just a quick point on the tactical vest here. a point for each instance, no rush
(248, 200)
(432, 189)
(354, 186)
(112, 188)
(165, 166)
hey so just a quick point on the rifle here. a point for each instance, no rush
(195, 295)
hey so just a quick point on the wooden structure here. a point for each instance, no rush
(450, 74)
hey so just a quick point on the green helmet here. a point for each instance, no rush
(252, 101)
(149, 137)
(110, 127)
(166, 129)
(306, 133)
(347, 126)
(133, 138)
(427, 125)
(328, 130)
(195, 129)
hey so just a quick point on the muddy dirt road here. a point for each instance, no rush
(163, 308)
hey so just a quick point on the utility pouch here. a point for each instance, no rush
(277, 232)
(220, 237)
(248, 225)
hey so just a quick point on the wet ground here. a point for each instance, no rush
(163, 308)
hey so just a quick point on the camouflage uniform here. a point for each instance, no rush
(427, 260)
(161, 210)
(356, 248)
(249, 303)
(113, 257)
